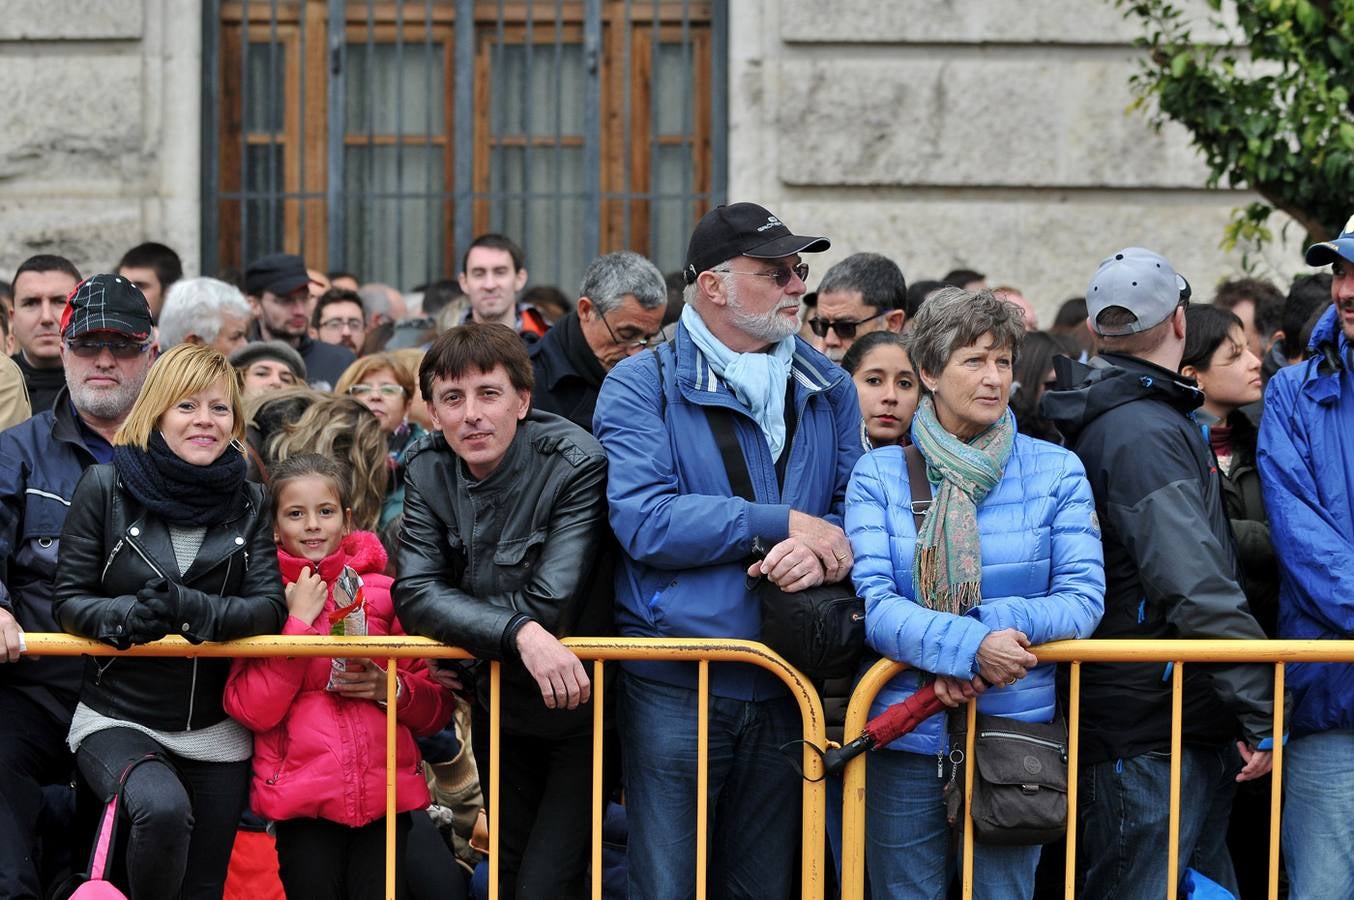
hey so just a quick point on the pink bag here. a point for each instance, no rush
(95, 886)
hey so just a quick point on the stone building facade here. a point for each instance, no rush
(992, 135)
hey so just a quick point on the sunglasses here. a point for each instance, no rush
(781, 274)
(121, 349)
(845, 328)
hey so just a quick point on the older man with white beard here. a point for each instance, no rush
(689, 542)
(106, 350)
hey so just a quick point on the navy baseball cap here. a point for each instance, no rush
(743, 229)
(1327, 252)
(106, 303)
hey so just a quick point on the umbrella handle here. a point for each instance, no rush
(834, 758)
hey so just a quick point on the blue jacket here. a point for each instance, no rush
(1043, 574)
(1306, 460)
(686, 539)
(41, 461)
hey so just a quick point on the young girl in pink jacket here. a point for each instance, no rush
(319, 749)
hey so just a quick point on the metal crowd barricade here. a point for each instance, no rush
(700, 652)
(1076, 653)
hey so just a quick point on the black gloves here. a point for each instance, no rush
(152, 617)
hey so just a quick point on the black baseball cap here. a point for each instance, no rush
(106, 303)
(743, 229)
(278, 273)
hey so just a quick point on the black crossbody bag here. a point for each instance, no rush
(821, 630)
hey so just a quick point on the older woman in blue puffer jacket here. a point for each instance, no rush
(1008, 557)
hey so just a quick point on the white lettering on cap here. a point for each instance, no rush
(771, 222)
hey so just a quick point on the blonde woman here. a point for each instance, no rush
(169, 538)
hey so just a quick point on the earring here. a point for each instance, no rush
(237, 445)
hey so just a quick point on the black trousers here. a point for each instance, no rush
(323, 860)
(545, 814)
(182, 814)
(32, 755)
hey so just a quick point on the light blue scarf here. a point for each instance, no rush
(756, 379)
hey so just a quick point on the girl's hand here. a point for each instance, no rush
(306, 596)
(446, 677)
(364, 680)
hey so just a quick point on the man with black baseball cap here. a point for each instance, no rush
(1171, 572)
(1306, 462)
(106, 350)
(278, 287)
(737, 369)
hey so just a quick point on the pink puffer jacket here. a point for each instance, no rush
(317, 754)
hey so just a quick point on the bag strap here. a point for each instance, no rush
(108, 826)
(723, 424)
(918, 483)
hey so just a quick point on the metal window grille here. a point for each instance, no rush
(380, 138)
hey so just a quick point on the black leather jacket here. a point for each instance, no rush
(111, 547)
(479, 559)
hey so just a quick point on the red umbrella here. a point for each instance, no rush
(883, 729)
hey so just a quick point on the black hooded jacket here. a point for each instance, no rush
(1170, 561)
(568, 375)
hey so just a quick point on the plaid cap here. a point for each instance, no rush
(106, 303)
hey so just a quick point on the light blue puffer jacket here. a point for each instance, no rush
(1043, 574)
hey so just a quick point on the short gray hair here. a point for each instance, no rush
(195, 306)
(953, 317)
(878, 279)
(611, 277)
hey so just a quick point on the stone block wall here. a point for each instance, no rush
(993, 135)
(99, 131)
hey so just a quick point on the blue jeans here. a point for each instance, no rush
(908, 849)
(753, 793)
(1318, 815)
(1123, 813)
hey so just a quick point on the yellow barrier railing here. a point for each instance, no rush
(700, 652)
(1075, 653)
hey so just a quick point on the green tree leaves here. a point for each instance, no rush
(1268, 105)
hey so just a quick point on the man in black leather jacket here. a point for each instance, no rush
(504, 516)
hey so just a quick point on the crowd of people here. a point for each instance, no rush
(284, 451)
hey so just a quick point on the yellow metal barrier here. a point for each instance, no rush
(600, 650)
(1076, 653)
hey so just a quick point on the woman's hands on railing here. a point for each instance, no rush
(1004, 658)
(956, 691)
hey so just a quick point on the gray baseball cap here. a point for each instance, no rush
(1141, 282)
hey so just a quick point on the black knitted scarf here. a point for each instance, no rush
(178, 491)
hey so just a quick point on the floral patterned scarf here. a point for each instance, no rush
(947, 568)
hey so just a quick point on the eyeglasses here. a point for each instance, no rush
(121, 349)
(781, 274)
(337, 324)
(385, 390)
(640, 342)
(845, 328)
